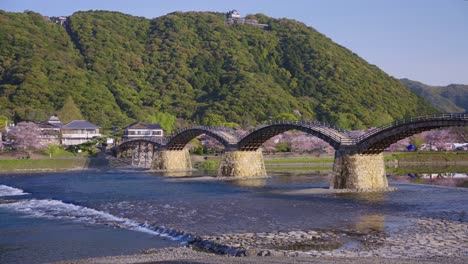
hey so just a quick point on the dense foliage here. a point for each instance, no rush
(118, 68)
(452, 98)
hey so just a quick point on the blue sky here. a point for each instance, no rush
(424, 40)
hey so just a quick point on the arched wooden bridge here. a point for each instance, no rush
(344, 142)
(372, 142)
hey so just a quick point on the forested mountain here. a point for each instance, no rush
(118, 68)
(452, 98)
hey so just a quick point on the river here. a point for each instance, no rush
(57, 216)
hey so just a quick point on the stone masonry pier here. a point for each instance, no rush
(172, 160)
(358, 171)
(242, 164)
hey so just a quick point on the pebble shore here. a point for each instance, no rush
(423, 238)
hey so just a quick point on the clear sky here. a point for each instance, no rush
(424, 40)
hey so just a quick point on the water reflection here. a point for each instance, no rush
(176, 173)
(371, 197)
(259, 182)
(300, 178)
(366, 223)
(444, 179)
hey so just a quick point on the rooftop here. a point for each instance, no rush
(80, 124)
(143, 125)
(53, 121)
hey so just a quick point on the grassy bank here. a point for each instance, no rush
(428, 157)
(300, 160)
(28, 165)
(276, 164)
(425, 168)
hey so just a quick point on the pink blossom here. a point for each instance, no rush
(25, 136)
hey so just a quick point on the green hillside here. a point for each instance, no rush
(452, 98)
(119, 68)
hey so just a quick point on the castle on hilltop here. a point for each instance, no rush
(234, 17)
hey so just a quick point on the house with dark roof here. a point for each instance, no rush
(78, 132)
(142, 130)
(50, 130)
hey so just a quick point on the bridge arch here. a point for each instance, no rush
(138, 151)
(157, 143)
(378, 139)
(254, 140)
(178, 142)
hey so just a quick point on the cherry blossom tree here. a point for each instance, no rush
(25, 136)
(295, 141)
(461, 133)
(438, 138)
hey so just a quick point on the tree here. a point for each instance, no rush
(69, 111)
(25, 136)
(417, 141)
(461, 133)
(287, 117)
(4, 121)
(211, 119)
(165, 120)
(52, 149)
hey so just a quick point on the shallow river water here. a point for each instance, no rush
(56, 216)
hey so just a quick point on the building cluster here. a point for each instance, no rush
(81, 131)
(234, 17)
(53, 131)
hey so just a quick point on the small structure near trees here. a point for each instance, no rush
(234, 17)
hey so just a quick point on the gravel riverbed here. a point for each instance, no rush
(424, 240)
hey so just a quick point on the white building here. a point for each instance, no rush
(233, 14)
(78, 132)
(142, 130)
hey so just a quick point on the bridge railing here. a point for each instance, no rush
(212, 129)
(432, 117)
(159, 140)
(320, 126)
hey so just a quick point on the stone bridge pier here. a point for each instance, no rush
(358, 171)
(172, 160)
(242, 164)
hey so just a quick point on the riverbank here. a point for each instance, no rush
(185, 255)
(287, 161)
(427, 157)
(424, 240)
(278, 162)
(46, 164)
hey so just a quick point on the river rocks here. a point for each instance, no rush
(426, 238)
(276, 243)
